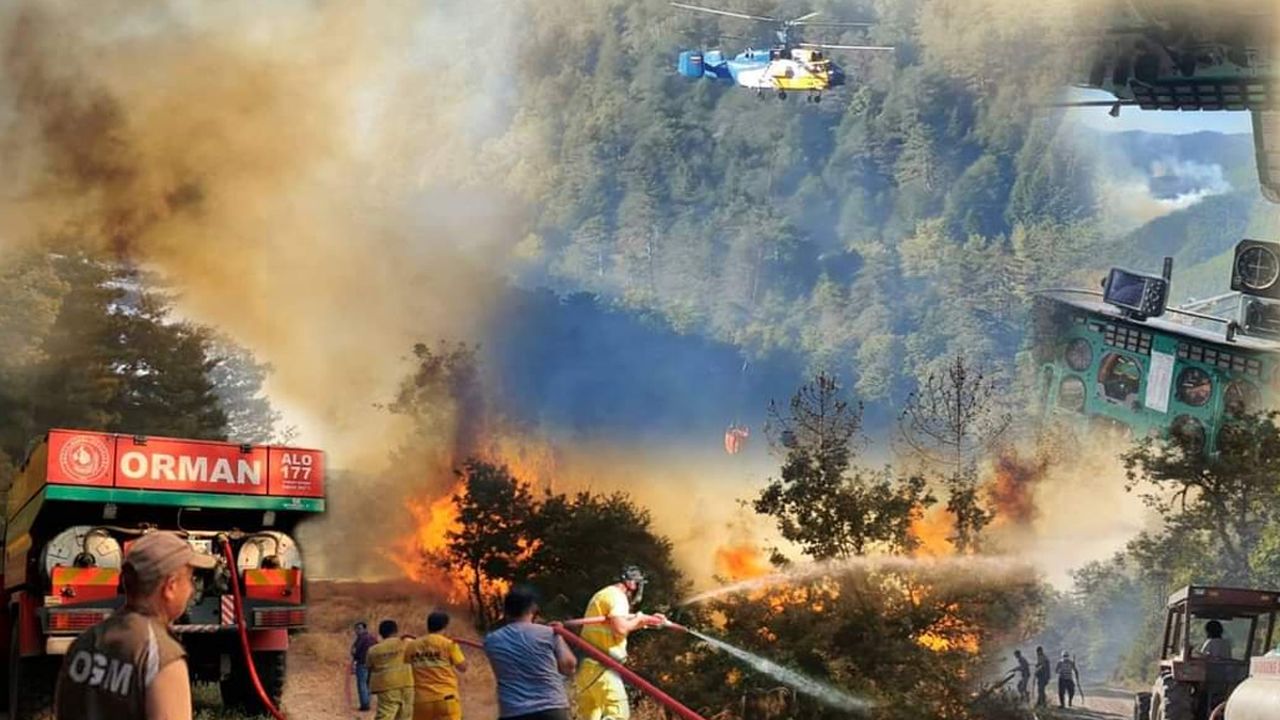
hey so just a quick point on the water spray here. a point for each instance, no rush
(964, 567)
(820, 691)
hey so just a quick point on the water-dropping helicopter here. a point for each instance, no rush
(786, 67)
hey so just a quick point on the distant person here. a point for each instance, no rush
(1024, 676)
(600, 692)
(1068, 677)
(530, 663)
(390, 677)
(359, 650)
(1042, 676)
(436, 661)
(130, 666)
(1215, 647)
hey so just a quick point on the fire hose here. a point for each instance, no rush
(645, 686)
(244, 632)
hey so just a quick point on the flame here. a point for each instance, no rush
(950, 633)
(435, 516)
(741, 562)
(933, 530)
(1010, 488)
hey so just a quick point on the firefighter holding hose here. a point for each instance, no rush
(601, 694)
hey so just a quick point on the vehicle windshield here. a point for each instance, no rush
(1223, 637)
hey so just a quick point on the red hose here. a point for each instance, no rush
(468, 643)
(244, 632)
(644, 685)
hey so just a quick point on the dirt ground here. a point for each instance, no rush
(1100, 703)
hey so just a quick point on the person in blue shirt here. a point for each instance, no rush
(529, 661)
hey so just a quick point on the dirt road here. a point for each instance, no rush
(1100, 703)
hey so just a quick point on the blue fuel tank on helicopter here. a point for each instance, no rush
(710, 64)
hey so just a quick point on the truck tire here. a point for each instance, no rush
(1172, 700)
(31, 683)
(1142, 706)
(237, 689)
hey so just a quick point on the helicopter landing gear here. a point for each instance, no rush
(759, 94)
(782, 94)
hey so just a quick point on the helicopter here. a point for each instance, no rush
(786, 67)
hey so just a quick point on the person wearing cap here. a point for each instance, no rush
(436, 661)
(600, 692)
(130, 666)
(359, 665)
(1068, 677)
(390, 677)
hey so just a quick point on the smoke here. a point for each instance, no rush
(1060, 508)
(1133, 196)
(282, 167)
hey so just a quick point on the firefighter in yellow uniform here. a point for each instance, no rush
(436, 661)
(390, 678)
(600, 692)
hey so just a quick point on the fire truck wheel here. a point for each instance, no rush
(30, 683)
(237, 689)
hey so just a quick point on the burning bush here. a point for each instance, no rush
(494, 532)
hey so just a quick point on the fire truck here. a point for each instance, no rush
(81, 498)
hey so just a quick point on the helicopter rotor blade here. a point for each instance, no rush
(726, 13)
(825, 46)
(800, 20)
(823, 23)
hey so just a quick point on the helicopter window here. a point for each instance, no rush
(1119, 378)
(1079, 354)
(1071, 394)
(1187, 432)
(1195, 387)
(1240, 398)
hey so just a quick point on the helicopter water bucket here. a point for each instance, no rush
(690, 64)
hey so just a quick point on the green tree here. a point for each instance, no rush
(1225, 501)
(495, 512)
(823, 503)
(950, 423)
(238, 380)
(570, 561)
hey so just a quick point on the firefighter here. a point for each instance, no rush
(390, 677)
(1023, 670)
(1068, 680)
(436, 661)
(1042, 676)
(130, 666)
(600, 692)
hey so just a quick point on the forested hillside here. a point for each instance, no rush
(847, 230)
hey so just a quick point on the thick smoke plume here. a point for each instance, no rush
(282, 166)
